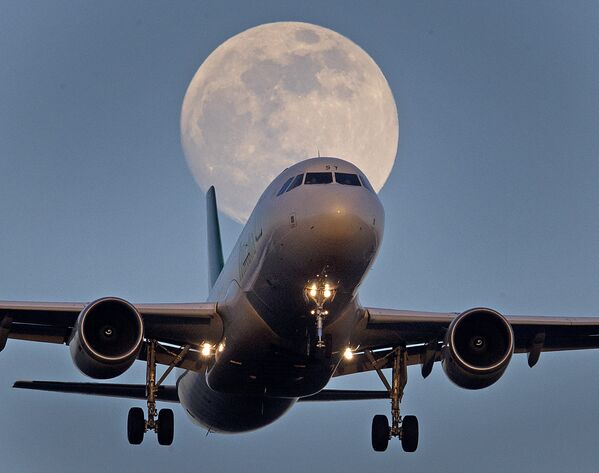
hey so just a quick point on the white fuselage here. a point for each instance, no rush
(316, 232)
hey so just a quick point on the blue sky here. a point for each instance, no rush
(493, 201)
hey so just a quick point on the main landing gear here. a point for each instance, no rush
(406, 428)
(162, 422)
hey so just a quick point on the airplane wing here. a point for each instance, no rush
(52, 322)
(423, 334)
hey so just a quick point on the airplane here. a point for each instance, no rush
(282, 318)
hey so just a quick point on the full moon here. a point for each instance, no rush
(280, 93)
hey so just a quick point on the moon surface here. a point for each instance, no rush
(280, 93)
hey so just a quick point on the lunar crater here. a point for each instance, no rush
(307, 36)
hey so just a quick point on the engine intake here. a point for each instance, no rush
(107, 338)
(478, 347)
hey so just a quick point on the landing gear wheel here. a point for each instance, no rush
(409, 433)
(166, 427)
(136, 425)
(380, 433)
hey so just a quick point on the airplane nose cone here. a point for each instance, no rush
(342, 217)
(339, 225)
(339, 232)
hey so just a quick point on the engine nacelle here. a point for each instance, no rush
(107, 338)
(478, 347)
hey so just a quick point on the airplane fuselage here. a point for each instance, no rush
(325, 229)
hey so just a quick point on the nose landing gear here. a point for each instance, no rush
(320, 314)
(319, 291)
(405, 429)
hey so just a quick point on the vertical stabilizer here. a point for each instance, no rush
(215, 248)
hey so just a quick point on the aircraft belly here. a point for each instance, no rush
(225, 412)
(256, 360)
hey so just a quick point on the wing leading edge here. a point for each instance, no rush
(52, 322)
(383, 329)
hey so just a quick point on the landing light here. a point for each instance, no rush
(221, 347)
(348, 354)
(320, 291)
(206, 350)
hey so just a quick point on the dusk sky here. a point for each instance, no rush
(493, 201)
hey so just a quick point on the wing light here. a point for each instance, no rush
(206, 350)
(348, 354)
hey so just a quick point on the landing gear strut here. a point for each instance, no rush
(405, 429)
(162, 422)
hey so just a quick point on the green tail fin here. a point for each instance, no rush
(215, 249)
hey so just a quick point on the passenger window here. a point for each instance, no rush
(297, 181)
(347, 179)
(366, 184)
(319, 178)
(284, 186)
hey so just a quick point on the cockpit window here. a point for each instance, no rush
(284, 186)
(347, 179)
(319, 178)
(365, 183)
(297, 181)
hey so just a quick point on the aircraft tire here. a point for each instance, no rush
(136, 425)
(380, 433)
(166, 427)
(409, 433)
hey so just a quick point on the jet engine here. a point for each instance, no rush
(478, 347)
(107, 338)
